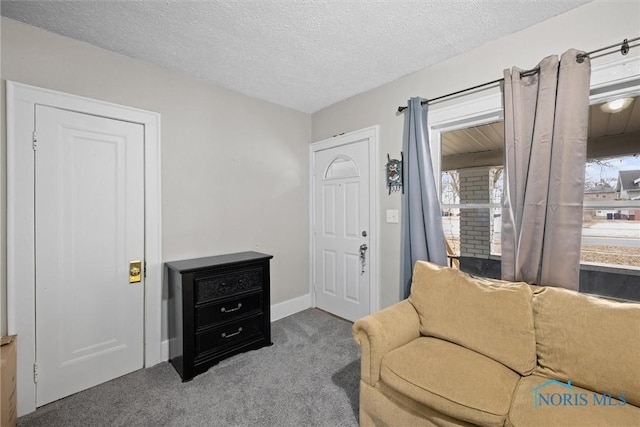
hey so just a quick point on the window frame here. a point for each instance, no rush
(483, 107)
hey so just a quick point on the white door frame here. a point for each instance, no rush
(371, 135)
(21, 101)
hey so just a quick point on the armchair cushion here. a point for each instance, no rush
(381, 332)
(451, 379)
(491, 317)
(590, 341)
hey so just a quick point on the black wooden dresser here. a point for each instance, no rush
(218, 306)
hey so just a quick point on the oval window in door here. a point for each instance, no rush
(341, 167)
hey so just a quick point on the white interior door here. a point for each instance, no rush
(342, 229)
(89, 220)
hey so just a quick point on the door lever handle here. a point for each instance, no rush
(363, 255)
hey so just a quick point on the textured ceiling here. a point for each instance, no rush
(303, 54)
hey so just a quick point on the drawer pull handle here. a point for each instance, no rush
(229, 310)
(224, 334)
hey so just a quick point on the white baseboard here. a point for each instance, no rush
(164, 350)
(289, 307)
(278, 311)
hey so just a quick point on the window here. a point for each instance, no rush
(611, 219)
(472, 183)
(471, 189)
(619, 278)
(341, 167)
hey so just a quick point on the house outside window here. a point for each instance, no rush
(628, 185)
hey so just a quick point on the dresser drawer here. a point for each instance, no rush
(221, 311)
(208, 288)
(229, 334)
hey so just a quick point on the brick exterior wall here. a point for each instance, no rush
(475, 224)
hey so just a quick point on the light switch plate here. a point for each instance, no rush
(392, 216)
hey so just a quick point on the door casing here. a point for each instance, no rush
(371, 135)
(21, 101)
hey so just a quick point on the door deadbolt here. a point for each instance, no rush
(364, 233)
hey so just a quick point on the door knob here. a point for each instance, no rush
(135, 271)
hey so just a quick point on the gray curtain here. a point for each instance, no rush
(422, 234)
(546, 126)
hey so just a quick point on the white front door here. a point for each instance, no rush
(89, 221)
(341, 229)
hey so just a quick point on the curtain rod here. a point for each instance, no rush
(624, 49)
(524, 74)
(401, 109)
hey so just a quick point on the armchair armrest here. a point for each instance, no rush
(383, 331)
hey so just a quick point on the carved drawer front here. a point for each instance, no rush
(208, 288)
(229, 334)
(230, 309)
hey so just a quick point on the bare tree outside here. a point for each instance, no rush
(450, 187)
(604, 169)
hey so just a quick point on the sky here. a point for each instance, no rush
(610, 173)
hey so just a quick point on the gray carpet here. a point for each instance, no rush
(309, 377)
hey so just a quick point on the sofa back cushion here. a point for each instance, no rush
(591, 341)
(491, 317)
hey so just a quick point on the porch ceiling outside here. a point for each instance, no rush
(610, 134)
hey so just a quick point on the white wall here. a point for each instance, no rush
(230, 186)
(589, 27)
(234, 168)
